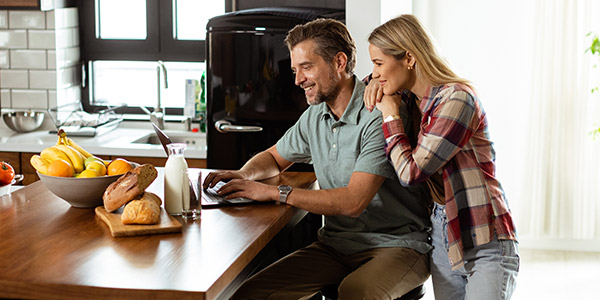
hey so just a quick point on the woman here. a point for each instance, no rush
(475, 249)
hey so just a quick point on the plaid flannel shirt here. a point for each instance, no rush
(454, 138)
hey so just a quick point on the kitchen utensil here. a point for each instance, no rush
(164, 139)
(23, 121)
(167, 224)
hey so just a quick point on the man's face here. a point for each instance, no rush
(317, 77)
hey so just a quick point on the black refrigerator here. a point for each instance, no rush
(251, 96)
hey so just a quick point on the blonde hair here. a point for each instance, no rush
(406, 34)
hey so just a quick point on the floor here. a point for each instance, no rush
(553, 275)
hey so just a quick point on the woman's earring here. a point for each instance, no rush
(410, 68)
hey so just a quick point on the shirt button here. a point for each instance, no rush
(333, 146)
(335, 129)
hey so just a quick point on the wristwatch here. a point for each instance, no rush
(284, 191)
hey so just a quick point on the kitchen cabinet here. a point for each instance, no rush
(19, 4)
(20, 162)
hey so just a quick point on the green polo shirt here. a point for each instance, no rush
(397, 216)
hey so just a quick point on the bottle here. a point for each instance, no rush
(203, 102)
(177, 189)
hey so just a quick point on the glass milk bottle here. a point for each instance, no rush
(177, 187)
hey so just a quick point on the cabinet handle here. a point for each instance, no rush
(225, 126)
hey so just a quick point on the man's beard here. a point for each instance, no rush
(327, 95)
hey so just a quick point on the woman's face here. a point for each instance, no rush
(392, 74)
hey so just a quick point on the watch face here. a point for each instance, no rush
(285, 188)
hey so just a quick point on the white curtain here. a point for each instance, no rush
(561, 192)
(528, 63)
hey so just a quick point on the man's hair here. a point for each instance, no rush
(330, 36)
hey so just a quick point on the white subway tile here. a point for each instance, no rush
(42, 79)
(51, 56)
(13, 39)
(41, 39)
(28, 59)
(5, 98)
(52, 99)
(68, 77)
(36, 99)
(67, 57)
(4, 62)
(3, 19)
(26, 19)
(66, 17)
(50, 21)
(64, 38)
(14, 79)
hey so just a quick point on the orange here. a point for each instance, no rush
(118, 166)
(60, 168)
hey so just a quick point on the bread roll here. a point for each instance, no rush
(145, 210)
(128, 187)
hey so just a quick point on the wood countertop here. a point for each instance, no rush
(50, 250)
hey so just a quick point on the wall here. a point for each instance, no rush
(39, 59)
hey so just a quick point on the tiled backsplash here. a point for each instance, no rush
(39, 59)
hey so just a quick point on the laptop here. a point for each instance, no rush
(208, 197)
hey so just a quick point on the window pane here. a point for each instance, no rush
(135, 82)
(119, 19)
(192, 15)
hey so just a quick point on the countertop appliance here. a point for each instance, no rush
(251, 96)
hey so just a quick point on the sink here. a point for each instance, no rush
(189, 139)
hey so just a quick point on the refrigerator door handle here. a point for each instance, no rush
(224, 126)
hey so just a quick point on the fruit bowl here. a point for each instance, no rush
(80, 192)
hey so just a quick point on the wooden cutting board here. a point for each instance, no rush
(167, 224)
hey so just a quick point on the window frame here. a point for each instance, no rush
(158, 45)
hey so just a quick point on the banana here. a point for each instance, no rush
(75, 157)
(65, 140)
(72, 143)
(52, 153)
(40, 164)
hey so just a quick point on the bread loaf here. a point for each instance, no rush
(128, 187)
(145, 210)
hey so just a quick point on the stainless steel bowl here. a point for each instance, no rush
(23, 121)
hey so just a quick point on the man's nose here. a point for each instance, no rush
(299, 79)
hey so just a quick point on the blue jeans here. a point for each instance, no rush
(489, 272)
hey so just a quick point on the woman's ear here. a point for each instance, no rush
(410, 60)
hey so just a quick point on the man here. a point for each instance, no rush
(374, 243)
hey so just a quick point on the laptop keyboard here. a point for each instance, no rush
(212, 196)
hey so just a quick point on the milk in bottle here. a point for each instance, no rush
(177, 189)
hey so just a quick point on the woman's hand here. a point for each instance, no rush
(390, 105)
(373, 94)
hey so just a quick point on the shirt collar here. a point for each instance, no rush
(350, 115)
(429, 96)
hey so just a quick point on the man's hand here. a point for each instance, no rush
(211, 179)
(249, 189)
(373, 94)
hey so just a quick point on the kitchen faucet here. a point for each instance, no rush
(157, 116)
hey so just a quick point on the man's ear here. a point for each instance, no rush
(340, 60)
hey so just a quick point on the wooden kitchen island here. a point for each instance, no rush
(49, 250)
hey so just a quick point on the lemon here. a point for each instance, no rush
(99, 167)
(91, 159)
(88, 173)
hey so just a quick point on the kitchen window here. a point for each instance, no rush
(122, 42)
